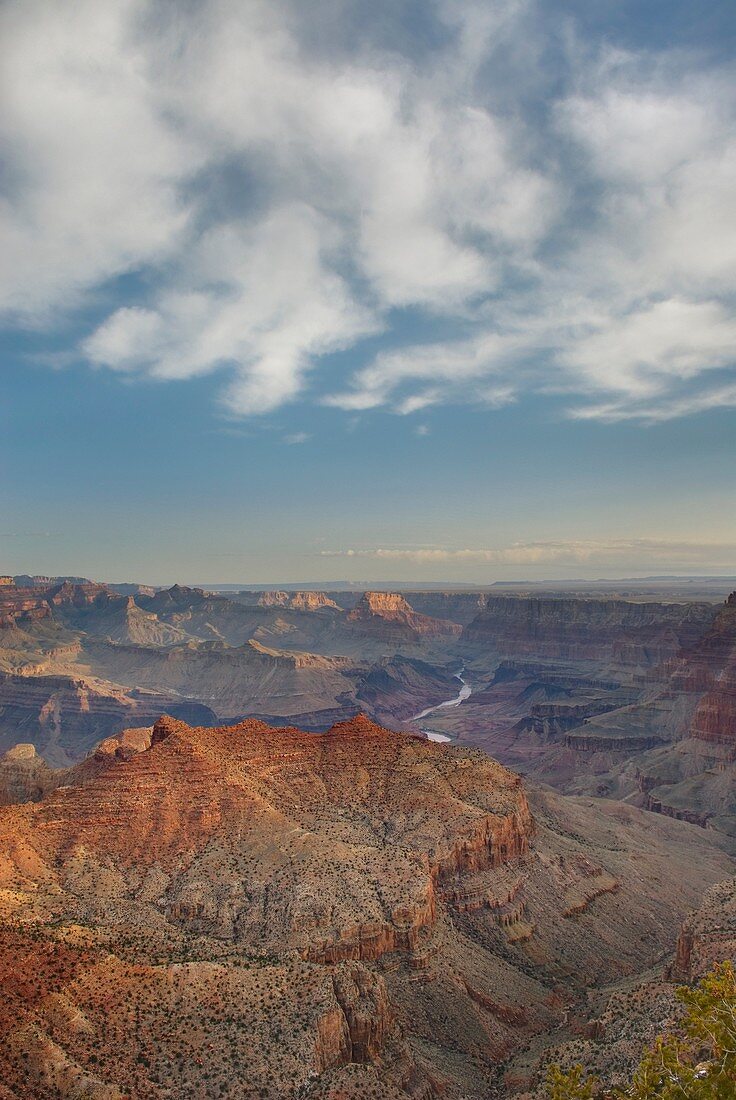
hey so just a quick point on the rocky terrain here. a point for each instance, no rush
(623, 698)
(631, 701)
(82, 660)
(608, 1033)
(612, 632)
(249, 911)
(65, 716)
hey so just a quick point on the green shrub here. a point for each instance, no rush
(696, 1063)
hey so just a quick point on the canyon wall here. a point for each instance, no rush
(611, 631)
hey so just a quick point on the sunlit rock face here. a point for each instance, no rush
(357, 909)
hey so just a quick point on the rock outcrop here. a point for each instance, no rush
(388, 616)
(708, 936)
(24, 775)
(298, 601)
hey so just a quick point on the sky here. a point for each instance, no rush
(424, 291)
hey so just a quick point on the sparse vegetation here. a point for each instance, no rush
(695, 1062)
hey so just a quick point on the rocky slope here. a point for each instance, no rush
(249, 911)
(608, 1032)
(26, 777)
(63, 716)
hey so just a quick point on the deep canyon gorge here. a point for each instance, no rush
(355, 843)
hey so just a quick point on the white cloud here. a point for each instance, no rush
(94, 171)
(600, 552)
(266, 326)
(280, 198)
(641, 353)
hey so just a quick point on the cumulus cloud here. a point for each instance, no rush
(277, 187)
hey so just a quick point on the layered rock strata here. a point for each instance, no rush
(613, 631)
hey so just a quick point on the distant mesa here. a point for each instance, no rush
(298, 601)
(390, 616)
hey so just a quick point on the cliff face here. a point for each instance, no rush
(613, 631)
(715, 717)
(387, 615)
(298, 601)
(22, 605)
(69, 594)
(712, 665)
(551, 721)
(695, 780)
(63, 717)
(708, 935)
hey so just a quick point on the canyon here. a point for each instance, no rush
(250, 910)
(424, 841)
(597, 695)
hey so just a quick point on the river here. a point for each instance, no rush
(464, 693)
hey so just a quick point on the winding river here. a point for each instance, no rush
(464, 693)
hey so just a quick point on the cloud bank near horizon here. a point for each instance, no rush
(641, 554)
(247, 188)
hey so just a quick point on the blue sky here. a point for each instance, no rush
(396, 291)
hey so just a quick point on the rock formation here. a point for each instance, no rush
(24, 775)
(389, 617)
(614, 631)
(63, 717)
(299, 601)
(608, 1034)
(247, 910)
